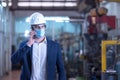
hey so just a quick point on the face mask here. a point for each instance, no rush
(40, 33)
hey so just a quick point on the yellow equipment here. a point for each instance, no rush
(103, 55)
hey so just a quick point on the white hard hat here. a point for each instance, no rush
(37, 18)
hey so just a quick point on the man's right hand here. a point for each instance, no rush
(31, 40)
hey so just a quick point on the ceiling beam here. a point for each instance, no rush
(45, 8)
(47, 1)
(14, 4)
(25, 13)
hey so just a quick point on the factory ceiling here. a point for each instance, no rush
(41, 4)
(48, 4)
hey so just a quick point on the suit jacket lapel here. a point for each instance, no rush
(48, 59)
(48, 49)
(31, 49)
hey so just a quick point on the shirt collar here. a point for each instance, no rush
(44, 41)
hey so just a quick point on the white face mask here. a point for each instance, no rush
(40, 33)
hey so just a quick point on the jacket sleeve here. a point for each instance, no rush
(19, 54)
(60, 65)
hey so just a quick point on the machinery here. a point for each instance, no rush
(110, 60)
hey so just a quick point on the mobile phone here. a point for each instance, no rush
(34, 36)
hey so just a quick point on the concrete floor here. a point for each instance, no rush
(13, 75)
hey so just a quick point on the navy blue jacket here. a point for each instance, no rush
(54, 61)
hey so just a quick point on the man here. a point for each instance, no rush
(40, 57)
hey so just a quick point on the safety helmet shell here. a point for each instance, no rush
(37, 18)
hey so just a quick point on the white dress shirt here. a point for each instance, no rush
(39, 55)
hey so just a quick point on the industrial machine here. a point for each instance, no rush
(110, 60)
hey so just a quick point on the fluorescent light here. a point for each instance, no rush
(70, 4)
(58, 19)
(4, 4)
(58, 4)
(71, 0)
(67, 21)
(35, 4)
(9, 4)
(25, 4)
(47, 4)
(58, 0)
(26, 34)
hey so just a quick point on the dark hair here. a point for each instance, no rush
(37, 24)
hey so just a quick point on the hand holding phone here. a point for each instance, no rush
(31, 38)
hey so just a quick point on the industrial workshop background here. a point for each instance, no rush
(87, 30)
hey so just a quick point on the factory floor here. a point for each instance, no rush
(13, 75)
